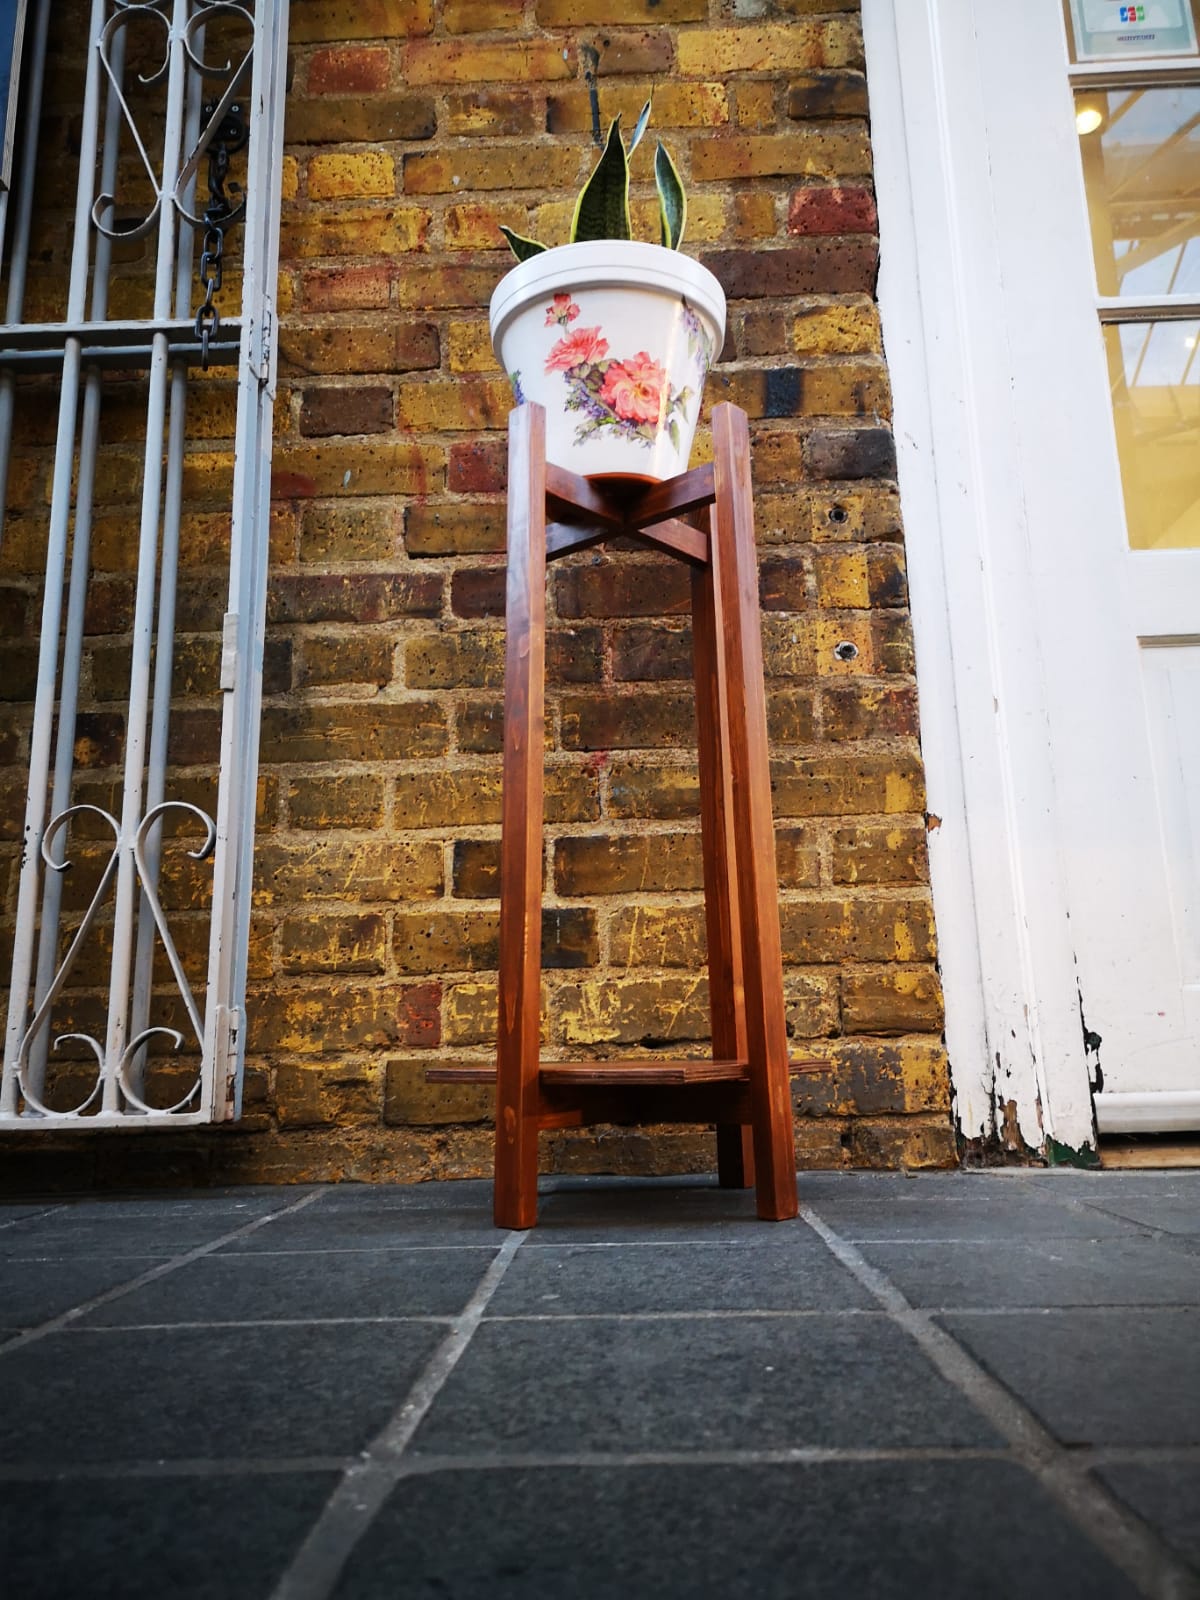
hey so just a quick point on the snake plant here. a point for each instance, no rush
(602, 210)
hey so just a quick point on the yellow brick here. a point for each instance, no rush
(705, 219)
(358, 871)
(612, 13)
(469, 404)
(477, 227)
(299, 471)
(628, 1010)
(362, 174)
(465, 61)
(290, 178)
(842, 580)
(469, 1013)
(904, 792)
(819, 152)
(676, 105)
(552, 221)
(352, 231)
(756, 104)
(703, 52)
(323, 21)
(470, 348)
(480, 16)
(830, 633)
(495, 166)
(658, 936)
(847, 328)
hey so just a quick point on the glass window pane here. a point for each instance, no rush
(1112, 30)
(1141, 164)
(1154, 368)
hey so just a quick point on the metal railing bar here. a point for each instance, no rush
(137, 713)
(18, 264)
(72, 657)
(34, 337)
(233, 866)
(223, 352)
(164, 652)
(56, 555)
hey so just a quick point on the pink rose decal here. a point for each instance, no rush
(563, 311)
(577, 349)
(635, 388)
(632, 398)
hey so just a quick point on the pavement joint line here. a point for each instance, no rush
(1145, 1229)
(197, 1467)
(173, 1264)
(357, 1500)
(259, 1322)
(352, 1250)
(1128, 1542)
(35, 1216)
(1005, 1243)
(1092, 1457)
(732, 1314)
(1173, 1308)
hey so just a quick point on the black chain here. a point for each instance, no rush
(226, 207)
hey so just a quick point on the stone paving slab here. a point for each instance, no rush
(775, 1533)
(33, 1290)
(745, 1383)
(1167, 1494)
(161, 1538)
(1128, 1271)
(304, 1286)
(942, 1385)
(214, 1393)
(794, 1273)
(1116, 1375)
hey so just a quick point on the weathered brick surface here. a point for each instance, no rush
(413, 128)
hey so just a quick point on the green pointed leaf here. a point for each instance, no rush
(635, 137)
(672, 202)
(520, 247)
(602, 210)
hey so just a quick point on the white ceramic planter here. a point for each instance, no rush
(614, 338)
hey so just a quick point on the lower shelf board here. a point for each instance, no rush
(632, 1074)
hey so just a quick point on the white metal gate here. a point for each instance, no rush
(180, 145)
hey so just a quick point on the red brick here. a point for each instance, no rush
(328, 410)
(354, 597)
(806, 266)
(832, 211)
(350, 69)
(819, 96)
(478, 467)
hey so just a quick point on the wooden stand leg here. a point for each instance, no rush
(727, 1004)
(518, 1040)
(736, 576)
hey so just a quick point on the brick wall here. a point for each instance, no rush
(413, 129)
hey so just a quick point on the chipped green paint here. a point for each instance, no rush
(1063, 1155)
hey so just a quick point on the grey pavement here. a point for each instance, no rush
(953, 1384)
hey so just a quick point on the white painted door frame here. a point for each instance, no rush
(1015, 1031)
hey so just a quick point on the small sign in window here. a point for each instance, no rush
(12, 37)
(1111, 30)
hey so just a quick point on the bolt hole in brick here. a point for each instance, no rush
(845, 651)
(838, 514)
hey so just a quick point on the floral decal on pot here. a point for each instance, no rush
(631, 397)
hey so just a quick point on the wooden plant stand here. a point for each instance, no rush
(744, 1088)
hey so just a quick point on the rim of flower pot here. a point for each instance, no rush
(605, 263)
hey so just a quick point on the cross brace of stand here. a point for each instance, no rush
(743, 1089)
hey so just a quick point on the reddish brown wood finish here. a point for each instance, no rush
(727, 1000)
(744, 1088)
(735, 572)
(518, 1036)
